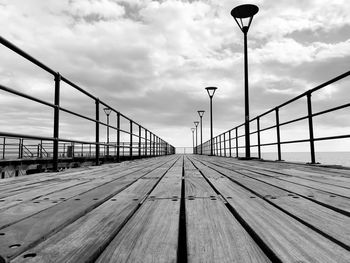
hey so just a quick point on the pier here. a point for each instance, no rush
(178, 208)
(84, 182)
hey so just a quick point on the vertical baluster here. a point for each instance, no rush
(311, 128)
(97, 132)
(236, 142)
(258, 129)
(56, 121)
(278, 135)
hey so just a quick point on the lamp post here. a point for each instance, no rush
(193, 129)
(201, 113)
(243, 15)
(107, 111)
(211, 91)
(196, 124)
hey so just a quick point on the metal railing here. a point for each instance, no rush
(141, 142)
(227, 143)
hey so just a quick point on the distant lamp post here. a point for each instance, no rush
(211, 92)
(201, 113)
(196, 124)
(243, 15)
(193, 129)
(108, 112)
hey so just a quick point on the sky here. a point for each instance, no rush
(151, 60)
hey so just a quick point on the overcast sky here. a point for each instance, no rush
(151, 60)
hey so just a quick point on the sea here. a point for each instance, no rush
(324, 158)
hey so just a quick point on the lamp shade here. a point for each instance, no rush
(107, 111)
(201, 113)
(196, 123)
(243, 14)
(211, 91)
(193, 129)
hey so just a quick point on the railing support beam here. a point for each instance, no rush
(311, 128)
(56, 121)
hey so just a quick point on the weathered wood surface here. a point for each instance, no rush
(176, 209)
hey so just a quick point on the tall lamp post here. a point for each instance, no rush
(243, 14)
(193, 129)
(196, 124)
(201, 113)
(107, 111)
(211, 91)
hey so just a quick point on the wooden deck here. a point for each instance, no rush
(178, 209)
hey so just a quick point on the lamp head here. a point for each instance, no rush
(201, 113)
(196, 123)
(243, 14)
(211, 91)
(193, 129)
(107, 111)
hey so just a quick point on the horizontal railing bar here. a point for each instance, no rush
(332, 137)
(21, 94)
(77, 87)
(331, 109)
(26, 55)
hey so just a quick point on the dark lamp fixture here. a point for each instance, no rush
(211, 91)
(201, 113)
(193, 129)
(243, 14)
(196, 123)
(107, 111)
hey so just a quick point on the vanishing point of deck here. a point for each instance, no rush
(178, 209)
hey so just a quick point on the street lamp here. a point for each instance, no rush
(193, 129)
(201, 113)
(196, 124)
(107, 111)
(243, 15)
(211, 91)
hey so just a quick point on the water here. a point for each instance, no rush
(325, 158)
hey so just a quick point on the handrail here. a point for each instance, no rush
(309, 116)
(147, 145)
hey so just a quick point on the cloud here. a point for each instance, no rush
(151, 60)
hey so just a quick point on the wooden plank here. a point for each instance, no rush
(195, 184)
(151, 235)
(337, 202)
(39, 226)
(170, 185)
(328, 221)
(214, 235)
(83, 240)
(289, 239)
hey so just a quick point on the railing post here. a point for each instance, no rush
(229, 142)
(158, 146)
(217, 148)
(41, 148)
(3, 148)
(139, 141)
(56, 121)
(278, 134)
(154, 144)
(311, 128)
(220, 145)
(150, 144)
(19, 148)
(258, 129)
(97, 133)
(118, 136)
(224, 144)
(146, 142)
(131, 139)
(236, 142)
